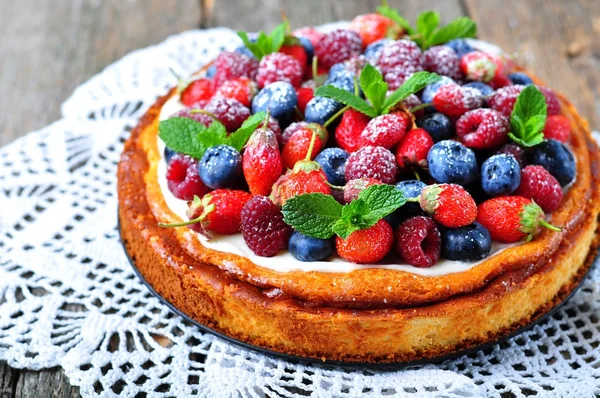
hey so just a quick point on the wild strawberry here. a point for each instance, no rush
(298, 144)
(385, 130)
(231, 65)
(449, 204)
(218, 211)
(278, 67)
(373, 27)
(419, 242)
(273, 125)
(478, 66)
(261, 161)
(413, 149)
(512, 218)
(540, 186)
(242, 89)
(399, 60)
(297, 182)
(337, 46)
(366, 246)
(482, 128)
(231, 112)
(372, 162)
(515, 151)
(557, 127)
(291, 129)
(347, 133)
(499, 81)
(263, 228)
(304, 94)
(313, 35)
(183, 179)
(198, 90)
(355, 187)
(455, 100)
(296, 51)
(443, 61)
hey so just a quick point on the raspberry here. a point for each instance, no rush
(297, 146)
(298, 182)
(449, 204)
(419, 242)
(279, 67)
(540, 186)
(183, 179)
(355, 187)
(373, 27)
(503, 100)
(482, 128)
(263, 228)
(515, 151)
(218, 211)
(372, 162)
(398, 61)
(478, 66)
(413, 149)
(242, 89)
(198, 90)
(366, 246)
(443, 61)
(230, 65)
(304, 94)
(385, 130)
(551, 100)
(557, 127)
(232, 113)
(347, 133)
(337, 46)
(455, 100)
(261, 161)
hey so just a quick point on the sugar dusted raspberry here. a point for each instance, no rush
(231, 65)
(191, 114)
(242, 89)
(313, 35)
(482, 128)
(183, 179)
(263, 228)
(337, 46)
(355, 187)
(504, 99)
(419, 242)
(557, 127)
(551, 100)
(229, 111)
(372, 162)
(398, 61)
(279, 67)
(443, 61)
(540, 186)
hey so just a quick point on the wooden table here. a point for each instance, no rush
(47, 48)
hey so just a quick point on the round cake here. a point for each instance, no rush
(379, 193)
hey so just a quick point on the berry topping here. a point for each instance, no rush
(558, 128)
(231, 65)
(347, 133)
(280, 99)
(333, 163)
(385, 130)
(368, 245)
(460, 46)
(551, 100)
(443, 61)
(413, 149)
(297, 51)
(229, 111)
(305, 94)
(398, 61)
(198, 90)
(273, 125)
(437, 125)
(307, 248)
(299, 182)
(242, 89)
(449, 204)
(515, 151)
(455, 100)
(320, 109)
(183, 179)
(503, 100)
(483, 88)
(479, 66)
(500, 175)
(298, 143)
(431, 89)
(469, 243)
(410, 189)
(520, 78)
(540, 186)
(263, 228)
(219, 211)
(373, 50)
(482, 128)
(313, 35)
(372, 162)
(354, 187)
(220, 167)
(555, 157)
(373, 27)
(278, 67)
(452, 162)
(418, 241)
(262, 162)
(337, 46)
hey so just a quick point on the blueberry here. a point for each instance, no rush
(307, 248)
(500, 175)
(483, 88)
(210, 72)
(452, 162)
(333, 163)
(343, 80)
(308, 47)
(469, 243)
(431, 89)
(460, 46)
(244, 50)
(374, 49)
(220, 167)
(520, 78)
(410, 189)
(168, 153)
(280, 98)
(555, 157)
(320, 109)
(437, 125)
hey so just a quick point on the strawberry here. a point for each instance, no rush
(263, 228)
(355, 187)
(540, 186)
(273, 125)
(385, 130)
(449, 204)
(218, 211)
(296, 51)
(413, 149)
(512, 218)
(230, 65)
(373, 27)
(478, 66)
(368, 245)
(557, 127)
(304, 95)
(278, 67)
(499, 81)
(261, 161)
(347, 133)
(455, 100)
(297, 146)
(291, 129)
(198, 90)
(242, 89)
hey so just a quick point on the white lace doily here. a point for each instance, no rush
(69, 298)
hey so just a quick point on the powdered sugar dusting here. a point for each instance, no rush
(372, 162)
(279, 67)
(443, 61)
(398, 61)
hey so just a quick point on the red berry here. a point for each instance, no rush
(183, 179)
(198, 90)
(557, 127)
(298, 182)
(410, 102)
(191, 113)
(337, 46)
(455, 100)
(385, 130)
(232, 113)
(398, 61)
(478, 66)
(219, 211)
(372, 162)
(503, 100)
(373, 27)
(297, 52)
(551, 100)
(419, 242)
(261, 161)
(515, 151)
(231, 65)
(449, 204)
(499, 81)
(313, 35)
(540, 186)
(443, 61)
(413, 149)
(242, 89)
(291, 129)
(354, 187)
(297, 145)
(278, 67)
(482, 128)
(263, 228)
(347, 133)
(304, 95)
(273, 125)
(366, 246)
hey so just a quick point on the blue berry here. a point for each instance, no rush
(308, 47)
(343, 80)
(244, 50)
(307, 248)
(333, 162)
(220, 167)
(280, 98)
(168, 153)
(555, 157)
(483, 88)
(374, 49)
(320, 109)
(452, 162)
(210, 72)
(469, 243)
(431, 89)
(410, 189)
(520, 78)
(437, 125)
(460, 46)
(500, 175)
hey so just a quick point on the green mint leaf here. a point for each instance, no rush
(312, 214)
(346, 98)
(393, 14)
(352, 219)
(278, 37)
(374, 87)
(463, 27)
(381, 200)
(265, 44)
(528, 117)
(253, 47)
(239, 138)
(183, 135)
(413, 84)
(427, 22)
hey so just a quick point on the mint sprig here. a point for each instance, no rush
(528, 117)
(375, 89)
(321, 216)
(187, 136)
(266, 44)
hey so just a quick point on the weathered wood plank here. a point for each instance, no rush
(44, 383)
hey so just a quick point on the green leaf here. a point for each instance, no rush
(352, 219)
(183, 135)
(393, 14)
(528, 117)
(381, 200)
(427, 22)
(463, 27)
(239, 138)
(265, 44)
(312, 214)
(346, 98)
(278, 37)
(413, 84)
(374, 87)
(254, 49)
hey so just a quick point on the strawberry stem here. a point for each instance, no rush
(313, 138)
(546, 224)
(265, 125)
(419, 107)
(315, 67)
(335, 187)
(417, 176)
(203, 112)
(181, 224)
(336, 115)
